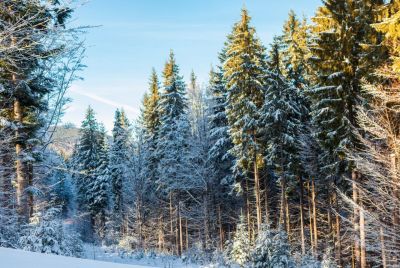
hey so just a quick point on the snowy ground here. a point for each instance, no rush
(140, 259)
(95, 257)
(12, 258)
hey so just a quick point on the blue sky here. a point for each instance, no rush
(136, 35)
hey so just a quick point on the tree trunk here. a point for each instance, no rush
(283, 204)
(257, 193)
(248, 208)
(303, 243)
(383, 249)
(396, 214)
(310, 220)
(313, 196)
(21, 178)
(221, 233)
(160, 234)
(30, 183)
(171, 215)
(187, 234)
(180, 230)
(266, 202)
(206, 221)
(331, 236)
(338, 237)
(288, 230)
(356, 221)
(362, 239)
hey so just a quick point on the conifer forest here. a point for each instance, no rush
(289, 155)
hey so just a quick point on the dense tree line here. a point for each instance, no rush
(39, 58)
(289, 157)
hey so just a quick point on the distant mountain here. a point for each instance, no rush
(64, 139)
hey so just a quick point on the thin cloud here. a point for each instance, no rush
(105, 101)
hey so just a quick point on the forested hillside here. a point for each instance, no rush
(288, 157)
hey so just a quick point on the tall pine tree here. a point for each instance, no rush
(90, 166)
(345, 51)
(244, 70)
(173, 147)
(119, 166)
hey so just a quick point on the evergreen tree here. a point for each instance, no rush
(282, 124)
(219, 154)
(173, 138)
(89, 162)
(241, 245)
(219, 158)
(195, 105)
(390, 27)
(244, 69)
(295, 51)
(148, 158)
(271, 250)
(30, 44)
(85, 156)
(346, 51)
(173, 142)
(98, 188)
(151, 124)
(46, 234)
(119, 165)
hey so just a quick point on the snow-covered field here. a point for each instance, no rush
(94, 257)
(12, 258)
(134, 258)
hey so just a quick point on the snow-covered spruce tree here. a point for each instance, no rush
(241, 244)
(119, 166)
(202, 183)
(46, 234)
(89, 180)
(328, 261)
(147, 141)
(172, 146)
(195, 105)
(98, 189)
(295, 52)
(57, 183)
(271, 250)
(151, 124)
(308, 261)
(282, 123)
(345, 50)
(379, 157)
(142, 202)
(30, 44)
(244, 70)
(218, 155)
